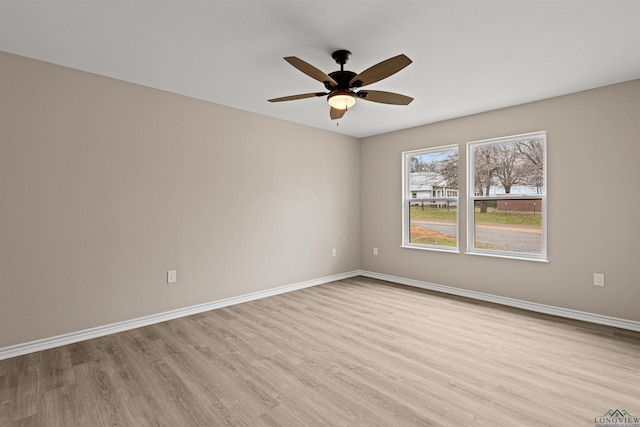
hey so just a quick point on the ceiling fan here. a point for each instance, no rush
(342, 85)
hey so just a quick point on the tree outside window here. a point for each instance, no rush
(507, 206)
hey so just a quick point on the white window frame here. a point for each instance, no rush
(472, 198)
(406, 197)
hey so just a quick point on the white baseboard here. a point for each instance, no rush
(531, 306)
(100, 331)
(70, 338)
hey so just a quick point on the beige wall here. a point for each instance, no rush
(106, 185)
(593, 149)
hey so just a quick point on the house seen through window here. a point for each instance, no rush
(430, 207)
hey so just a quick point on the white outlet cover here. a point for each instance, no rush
(171, 276)
(598, 279)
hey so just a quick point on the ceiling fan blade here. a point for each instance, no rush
(384, 97)
(380, 71)
(310, 70)
(336, 114)
(301, 96)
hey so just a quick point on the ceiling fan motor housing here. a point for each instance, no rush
(342, 78)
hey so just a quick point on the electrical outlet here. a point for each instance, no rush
(598, 279)
(171, 276)
(334, 252)
(375, 251)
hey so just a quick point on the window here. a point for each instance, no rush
(430, 198)
(507, 196)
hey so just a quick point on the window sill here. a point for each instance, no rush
(434, 249)
(521, 258)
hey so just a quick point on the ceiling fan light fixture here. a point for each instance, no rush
(341, 100)
(343, 86)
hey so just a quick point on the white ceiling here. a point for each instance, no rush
(468, 56)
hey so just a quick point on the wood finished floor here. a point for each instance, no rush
(358, 352)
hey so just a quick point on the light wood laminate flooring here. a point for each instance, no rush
(357, 352)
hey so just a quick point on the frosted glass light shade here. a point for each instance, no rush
(341, 100)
